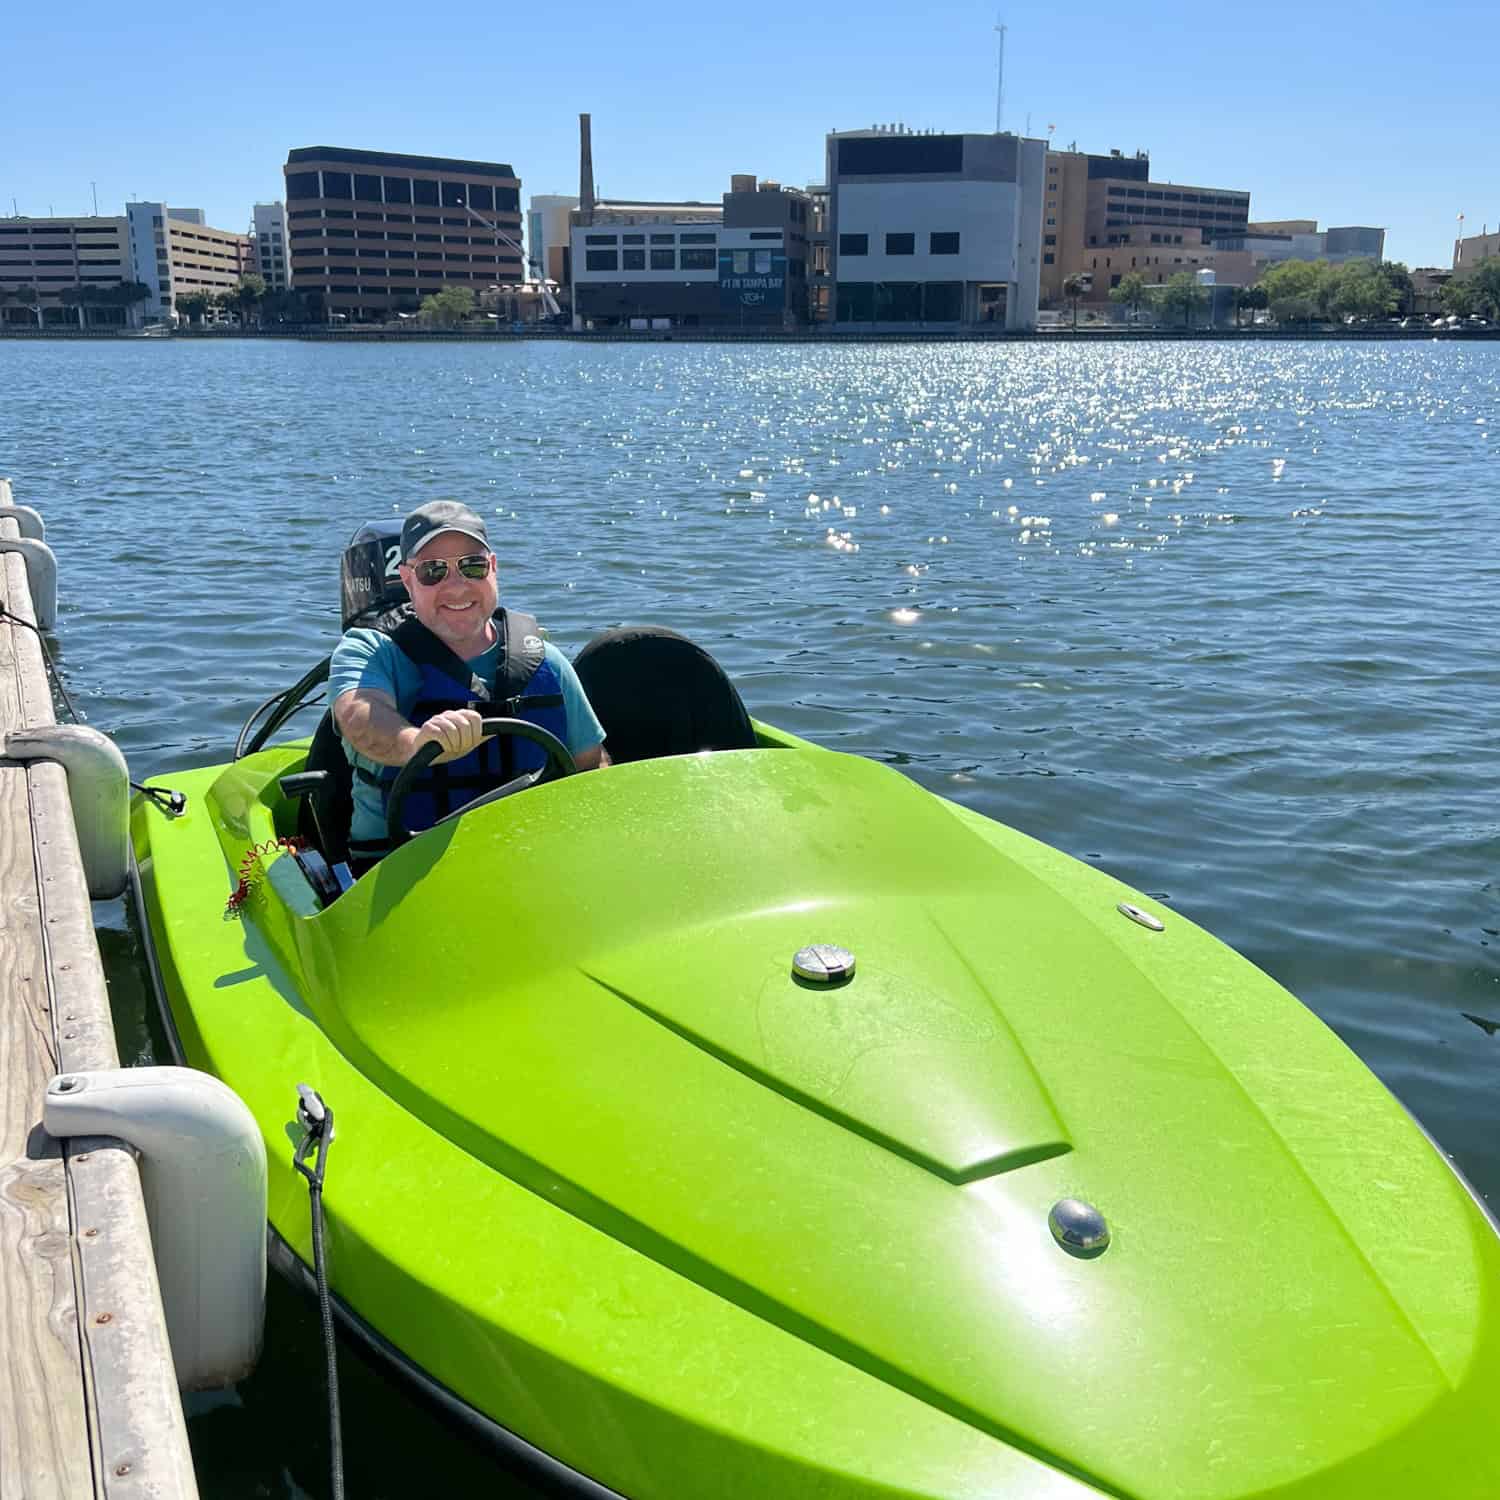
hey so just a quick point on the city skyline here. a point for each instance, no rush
(1377, 128)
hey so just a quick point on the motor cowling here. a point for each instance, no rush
(372, 592)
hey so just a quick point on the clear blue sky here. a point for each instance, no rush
(1380, 114)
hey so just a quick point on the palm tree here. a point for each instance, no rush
(127, 295)
(1250, 299)
(1074, 287)
(28, 296)
(249, 291)
(194, 305)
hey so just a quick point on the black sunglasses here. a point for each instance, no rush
(434, 571)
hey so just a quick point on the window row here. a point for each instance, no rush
(364, 253)
(661, 260)
(900, 302)
(940, 242)
(478, 241)
(1166, 196)
(510, 225)
(363, 187)
(437, 279)
(657, 238)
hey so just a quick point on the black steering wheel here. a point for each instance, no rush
(559, 763)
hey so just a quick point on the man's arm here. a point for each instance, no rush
(371, 722)
(592, 760)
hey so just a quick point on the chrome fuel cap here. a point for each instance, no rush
(823, 963)
(1078, 1226)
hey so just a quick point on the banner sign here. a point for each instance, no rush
(752, 280)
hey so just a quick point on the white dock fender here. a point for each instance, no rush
(203, 1176)
(99, 789)
(28, 521)
(41, 576)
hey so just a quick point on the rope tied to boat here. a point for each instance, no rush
(316, 1120)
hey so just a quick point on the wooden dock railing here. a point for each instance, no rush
(88, 1400)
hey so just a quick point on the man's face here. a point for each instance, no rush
(457, 609)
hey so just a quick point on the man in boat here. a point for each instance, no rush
(456, 660)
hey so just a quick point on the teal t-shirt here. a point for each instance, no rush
(372, 660)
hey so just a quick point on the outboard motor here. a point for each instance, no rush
(373, 594)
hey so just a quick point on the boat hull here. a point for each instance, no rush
(743, 1311)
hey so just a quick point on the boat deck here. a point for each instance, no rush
(88, 1399)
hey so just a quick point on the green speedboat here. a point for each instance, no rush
(1049, 1196)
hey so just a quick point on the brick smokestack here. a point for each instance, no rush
(585, 172)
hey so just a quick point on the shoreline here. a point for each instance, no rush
(819, 337)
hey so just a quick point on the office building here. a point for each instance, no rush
(173, 250)
(1097, 206)
(1467, 253)
(1269, 241)
(740, 263)
(268, 230)
(1157, 255)
(51, 257)
(371, 232)
(934, 229)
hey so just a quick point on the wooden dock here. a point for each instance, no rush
(88, 1401)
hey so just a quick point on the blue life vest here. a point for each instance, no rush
(526, 686)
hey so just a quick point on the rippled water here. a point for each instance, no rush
(1215, 617)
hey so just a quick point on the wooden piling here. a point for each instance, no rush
(88, 1399)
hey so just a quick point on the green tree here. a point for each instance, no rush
(287, 306)
(1251, 299)
(1484, 283)
(28, 296)
(1297, 291)
(1181, 293)
(1074, 287)
(1457, 299)
(1131, 291)
(194, 305)
(77, 297)
(249, 291)
(129, 295)
(1399, 279)
(1360, 291)
(446, 308)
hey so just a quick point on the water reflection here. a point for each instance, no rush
(1204, 615)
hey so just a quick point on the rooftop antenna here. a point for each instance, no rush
(95, 187)
(1000, 78)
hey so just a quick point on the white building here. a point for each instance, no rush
(547, 236)
(934, 230)
(173, 250)
(268, 231)
(1300, 239)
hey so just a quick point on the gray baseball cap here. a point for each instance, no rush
(433, 519)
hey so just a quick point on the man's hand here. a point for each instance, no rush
(458, 731)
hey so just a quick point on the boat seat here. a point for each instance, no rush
(656, 694)
(327, 806)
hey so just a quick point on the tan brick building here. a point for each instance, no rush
(371, 232)
(1467, 253)
(1104, 216)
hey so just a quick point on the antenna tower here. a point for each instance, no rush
(1000, 78)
